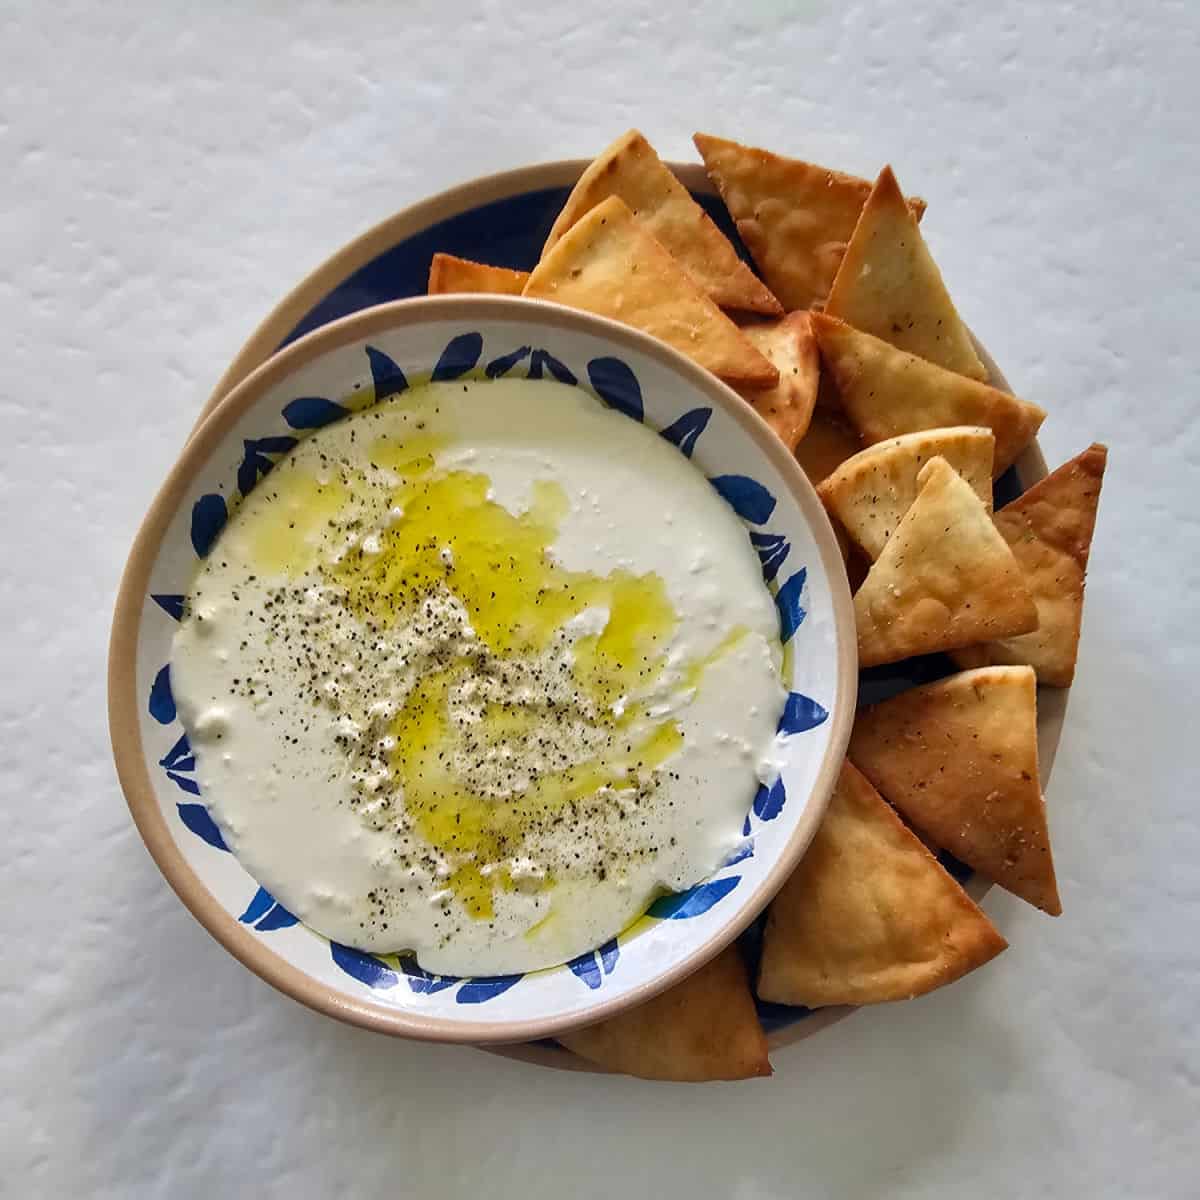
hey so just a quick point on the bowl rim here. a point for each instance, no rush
(348, 257)
(123, 709)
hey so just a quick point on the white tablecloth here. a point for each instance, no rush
(170, 169)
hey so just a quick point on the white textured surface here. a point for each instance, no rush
(168, 171)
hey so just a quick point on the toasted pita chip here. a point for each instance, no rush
(869, 914)
(888, 285)
(827, 443)
(450, 274)
(606, 263)
(887, 392)
(788, 406)
(703, 1028)
(795, 218)
(959, 758)
(629, 168)
(941, 577)
(872, 491)
(1050, 531)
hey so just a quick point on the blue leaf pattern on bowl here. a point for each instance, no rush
(768, 801)
(617, 386)
(591, 966)
(388, 378)
(486, 987)
(505, 363)
(171, 604)
(694, 902)
(180, 756)
(179, 762)
(609, 953)
(459, 356)
(260, 902)
(311, 412)
(366, 968)
(209, 515)
(198, 819)
(773, 549)
(801, 713)
(277, 918)
(421, 981)
(255, 460)
(586, 967)
(747, 497)
(787, 600)
(560, 371)
(739, 853)
(265, 913)
(162, 702)
(685, 432)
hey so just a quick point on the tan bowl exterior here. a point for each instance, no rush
(123, 700)
(1031, 466)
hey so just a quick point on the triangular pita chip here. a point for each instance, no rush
(606, 263)
(959, 758)
(788, 405)
(629, 168)
(869, 914)
(703, 1028)
(943, 575)
(827, 443)
(450, 274)
(794, 217)
(887, 392)
(872, 491)
(888, 285)
(1050, 531)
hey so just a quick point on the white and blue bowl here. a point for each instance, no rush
(294, 392)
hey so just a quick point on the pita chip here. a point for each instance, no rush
(795, 218)
(888, 285)
(606, 263)
(959, 759)
(871, 492)
(450, 274)
(942, 576)
(630, 168)
(701, 1029)
(869, 914)
(1050, 530)
(828, 442)
(887, 392)
(787, 406)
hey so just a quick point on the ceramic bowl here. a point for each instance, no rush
(238, 444)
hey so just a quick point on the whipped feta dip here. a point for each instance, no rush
(478, 672)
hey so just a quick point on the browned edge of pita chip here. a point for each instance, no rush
(794, 217)
(631, 169)
(869, 915)
(607, 264)
(889, 286)
(702, 1029)
(959, 758)
(788, 405)
(1050, 530)
(870, 493)
(448, 273)
(943, 576)
(887, 392)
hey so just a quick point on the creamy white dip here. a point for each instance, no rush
(477, 673)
